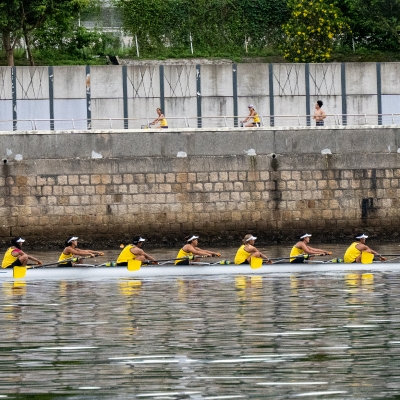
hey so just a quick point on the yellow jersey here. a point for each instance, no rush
(126, 254)
(8, 257)
(351, 253)
(256, 118)
(241, 255)
(182, 253)
(65, 256)
(163, 122)
(296, 252)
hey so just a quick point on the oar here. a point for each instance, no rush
(256, 262)
(222, 262)
(134, 265)
(20, 271)
(72, 259)
(173, 259)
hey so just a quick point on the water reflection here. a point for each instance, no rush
(328, 335)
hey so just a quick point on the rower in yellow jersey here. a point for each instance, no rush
(134, 251)
(252, 115)
(15, 257)
(302, 248)
(248, 250)
(354, 251)
(161, 119)
(190, 250)
(71, 249)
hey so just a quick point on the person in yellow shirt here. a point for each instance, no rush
(71, 250)
(134, 251)
(254, 116)
(15, 257)
(190, 250)
(302, 248)
(354, 251)
(161, 119)
(248, 250)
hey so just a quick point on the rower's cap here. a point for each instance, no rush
(305, 236)
(362, 236)
(72, 239)
(249, 237)
(20, 240)
(192, 238)
(250, 106)
(138, 239)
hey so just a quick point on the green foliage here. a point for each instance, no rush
(310, 33)
(213, 25)
(21, 18)
(375, 24)
(79, 42)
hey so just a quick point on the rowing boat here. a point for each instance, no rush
(96, 273)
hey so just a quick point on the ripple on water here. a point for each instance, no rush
(275, 336)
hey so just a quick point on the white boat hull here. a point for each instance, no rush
(96, 273)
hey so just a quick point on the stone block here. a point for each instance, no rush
(224, 196)
(95, 179)
(73, 180)
(218, 187)
(62, 180)
(213, 177)
(84, 179)
(214, 197)
(202, 177)
(100, 189)
(68, 190)
(170, 178)
(181, 178)
(48, 190)
(90, 190)
(233, 176)
(291, 185)
(238, 186)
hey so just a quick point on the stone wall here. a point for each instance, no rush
(107, 186)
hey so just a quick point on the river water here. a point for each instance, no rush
(333, 335)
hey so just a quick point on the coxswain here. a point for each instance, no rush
(15, 257)
(354, 251)
(190, 250)
(71, 250)
(248, 250)
(302, 248)
(134, 251)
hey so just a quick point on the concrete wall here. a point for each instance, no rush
(198, 94)
(275, 183)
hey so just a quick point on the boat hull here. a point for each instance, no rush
(96, 273)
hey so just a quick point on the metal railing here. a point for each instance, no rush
(267, 121)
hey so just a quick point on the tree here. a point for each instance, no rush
(375, 24)
(311, 31)
(19, 18)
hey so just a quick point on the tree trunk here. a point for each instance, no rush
(28, 48)
(9, 48)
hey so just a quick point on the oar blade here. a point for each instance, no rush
(256, 262)
(366, 258)
(134, 265)
(19, 272)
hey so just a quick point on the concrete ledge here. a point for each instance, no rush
(356, 140)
